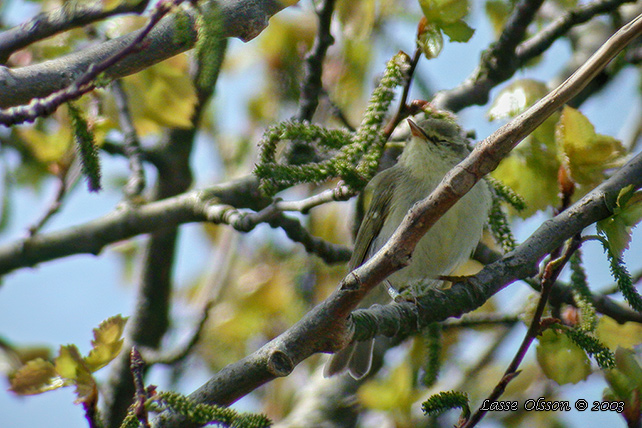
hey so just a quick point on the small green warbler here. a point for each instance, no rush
(435, 146)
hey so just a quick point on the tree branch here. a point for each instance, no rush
(476, 88)
(70, 15)
(244, 19)
(312, 86)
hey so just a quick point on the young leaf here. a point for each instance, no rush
(444, 11)
(585, 154)
(458, 31)
(560, 359)
(68, 362)
(107, 342)
(35, 377)
(626, 215)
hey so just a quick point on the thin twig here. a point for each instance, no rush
(65, 181)
(246, 221)
(402, 110)
(541, 41)
(481, 320)
(339, 193)
(312, 86)
(131, 147)
(153, 356)
(549, 276)
(137, 367)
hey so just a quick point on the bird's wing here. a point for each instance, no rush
(374, 219)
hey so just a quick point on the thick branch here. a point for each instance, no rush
(244, 19)
(70, 15)
(126, 222)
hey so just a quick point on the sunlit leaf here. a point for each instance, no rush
(585, 154)
(458, 31)
(560, 359)
(72, 368)
(615, 335)
(531, 171)
(86, 388)
(625, 381)
(35, 377)
(68, 362)
(444, 11)
(516, 98)
(107, 342)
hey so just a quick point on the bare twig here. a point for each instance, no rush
(549, 276)
(132, 149)
(137, 367)
(312, 86)
(153, 356)
(541, 41)
(65, 181)
(339, 193)
(481, 320)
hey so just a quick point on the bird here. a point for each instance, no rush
(435, 145)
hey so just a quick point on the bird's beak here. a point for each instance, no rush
(416, 130)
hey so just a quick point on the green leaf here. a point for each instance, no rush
(625, 381)
(615, 335)
(627, 363)
(584, 153)
(531, 171)
(627, 213)
(68, 362)
(458, 31)
(498, 12)
(562, 360)
(107, 342)
(444, 11)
